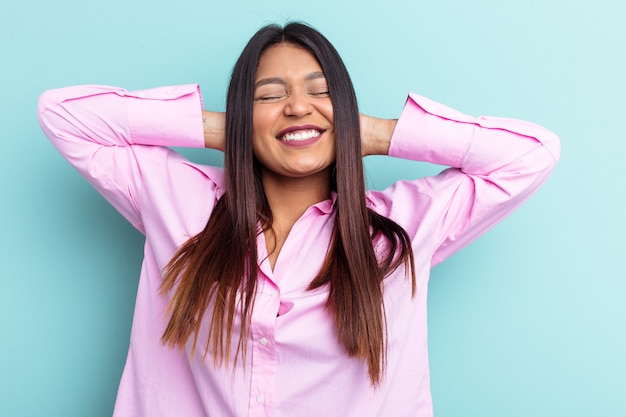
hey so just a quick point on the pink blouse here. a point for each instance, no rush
(118, 140)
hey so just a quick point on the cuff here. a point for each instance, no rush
(167, 116)
(431, 132)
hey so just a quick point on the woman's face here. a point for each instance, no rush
(293, 127)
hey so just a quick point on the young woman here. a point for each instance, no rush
(278, 286)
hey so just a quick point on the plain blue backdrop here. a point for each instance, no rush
(530, 320)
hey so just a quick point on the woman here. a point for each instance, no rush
(278, 286)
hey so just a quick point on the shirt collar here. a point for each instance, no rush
(327, 206)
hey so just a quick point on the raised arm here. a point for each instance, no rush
(112, 116)
(118, 139)
(495, 165)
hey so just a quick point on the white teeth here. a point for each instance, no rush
(301, 135)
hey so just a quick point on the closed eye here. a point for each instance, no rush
(270, 98)
(320, 94)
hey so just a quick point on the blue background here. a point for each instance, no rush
(528, 321)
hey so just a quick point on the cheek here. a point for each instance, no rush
(262, 119)
(256, 145)
(327, 111)
(257, 136)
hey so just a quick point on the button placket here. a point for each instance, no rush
(263, 370)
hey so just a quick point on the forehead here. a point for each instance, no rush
(286, 60)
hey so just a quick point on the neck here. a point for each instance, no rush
(290, 197)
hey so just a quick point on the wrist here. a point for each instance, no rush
(213, 124)
(376, 135)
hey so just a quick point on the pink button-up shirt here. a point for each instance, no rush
(295, 366)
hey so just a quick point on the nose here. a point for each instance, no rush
(298, 104)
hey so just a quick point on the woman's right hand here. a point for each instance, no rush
(214, 125)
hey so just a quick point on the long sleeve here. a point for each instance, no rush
(116, 138)
(495, 165)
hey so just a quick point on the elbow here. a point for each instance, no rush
(547, 155)
(552, 143)
(46, 100)
(50, 99)
(55, 118)
(544, 156)
(46, 115)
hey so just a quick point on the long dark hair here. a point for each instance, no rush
(218, 266)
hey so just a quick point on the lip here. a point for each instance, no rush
(300, 143)
(296, 128)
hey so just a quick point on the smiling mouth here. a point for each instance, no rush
(300, 135)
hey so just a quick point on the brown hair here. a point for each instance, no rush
(218, 266)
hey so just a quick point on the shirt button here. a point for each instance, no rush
(263, 341)
(260, 398)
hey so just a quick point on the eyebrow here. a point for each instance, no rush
(277, 80)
